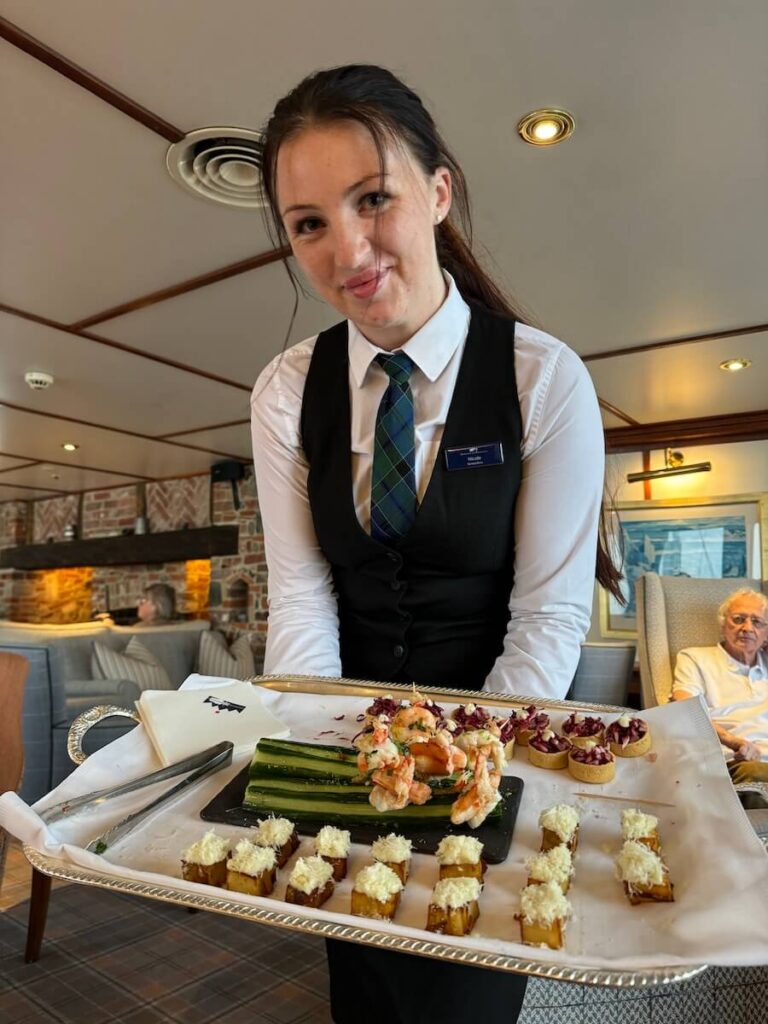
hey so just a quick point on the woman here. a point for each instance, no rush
(429, 470)
(158, 605)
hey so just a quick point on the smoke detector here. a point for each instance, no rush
(38, 380)
(220, 164)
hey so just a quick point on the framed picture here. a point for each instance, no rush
(704, 538)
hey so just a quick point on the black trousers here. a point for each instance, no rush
(381, 987)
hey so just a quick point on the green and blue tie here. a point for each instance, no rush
(393, 479)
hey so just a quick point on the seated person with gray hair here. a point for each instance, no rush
(158, 605)
(733, 680)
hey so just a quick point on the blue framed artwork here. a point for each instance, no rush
(712, 540)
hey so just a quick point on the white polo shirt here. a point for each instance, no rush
(737, 695)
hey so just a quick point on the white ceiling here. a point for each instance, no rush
(648, 225)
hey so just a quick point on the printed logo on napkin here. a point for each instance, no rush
(184, 722)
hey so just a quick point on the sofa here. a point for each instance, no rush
(60, 685)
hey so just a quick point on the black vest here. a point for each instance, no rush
(433, 607)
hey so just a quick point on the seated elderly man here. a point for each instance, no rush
(733, 679)
(158, 605)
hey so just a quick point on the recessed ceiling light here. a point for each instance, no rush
(734, 365)
(70, 446)
(546, 127)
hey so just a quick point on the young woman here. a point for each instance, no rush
(429, 471)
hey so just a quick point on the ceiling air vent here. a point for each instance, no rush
(220, 164)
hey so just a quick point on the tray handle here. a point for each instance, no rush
(86, 720)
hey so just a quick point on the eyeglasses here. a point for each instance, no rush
(739, 620)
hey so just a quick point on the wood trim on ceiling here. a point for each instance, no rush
(76, 465)
(200, 430)
(202, 281)
(184, 367)
(57, 62)
(615, 411)
(24, 465)
(735, 332)
(54, 492)
(701, 430)
(118, 430)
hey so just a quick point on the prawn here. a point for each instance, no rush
(481, 741)
(435, 758)
(477, 801)
(413, 724)
(392, 785)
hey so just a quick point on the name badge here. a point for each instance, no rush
(474, 456)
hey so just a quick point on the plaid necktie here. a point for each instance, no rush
(393, 479)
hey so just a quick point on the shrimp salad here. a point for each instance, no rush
(404, 746)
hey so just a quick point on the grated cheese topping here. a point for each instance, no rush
(249, 859)
(273, 832)
(450, 893)
(332, 842)
(209, 850)
(310, 874)
(562, 819)
(378, 882)
(556, 865)
(459, 850)
(638, 865)
(637, 825)
(543, 904)
(391, 848)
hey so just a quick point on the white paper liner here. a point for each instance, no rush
(717, 864)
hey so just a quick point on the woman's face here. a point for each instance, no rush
(368, 251)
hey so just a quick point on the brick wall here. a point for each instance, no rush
(107, 513)
(230, 590)
(13, 523)
(52, 595)
(249, 566)
(174, 504)
(52, 516)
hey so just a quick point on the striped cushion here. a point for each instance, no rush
(235, 662)
(135, 663)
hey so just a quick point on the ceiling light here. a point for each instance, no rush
(734, 365)
(674, 465)
(220, 164)
(546, 127)
(70, 446)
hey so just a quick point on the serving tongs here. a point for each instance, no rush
(211, 760)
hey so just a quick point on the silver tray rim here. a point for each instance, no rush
(640, 978)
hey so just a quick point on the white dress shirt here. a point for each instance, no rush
(555, 518)
(736, 694)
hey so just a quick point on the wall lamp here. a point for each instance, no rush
(674, 465)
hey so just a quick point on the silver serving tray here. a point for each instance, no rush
(625, 979)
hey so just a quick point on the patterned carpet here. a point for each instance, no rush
(111, 958)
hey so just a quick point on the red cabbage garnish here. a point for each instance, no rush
(479, 718)
(597, 755)
(507, 729)
(588, 726)
(382, 706)
(554, 745)
(625, 734)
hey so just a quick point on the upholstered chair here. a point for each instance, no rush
(674, 612)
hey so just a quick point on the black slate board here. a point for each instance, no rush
(495, 834)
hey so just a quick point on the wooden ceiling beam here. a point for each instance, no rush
(35, 48)
(734, 332)
(702, 430)
(262, 259)
(129, 349)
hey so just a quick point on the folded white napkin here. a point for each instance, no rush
(205, 711)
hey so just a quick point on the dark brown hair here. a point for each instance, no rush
(376, 99)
